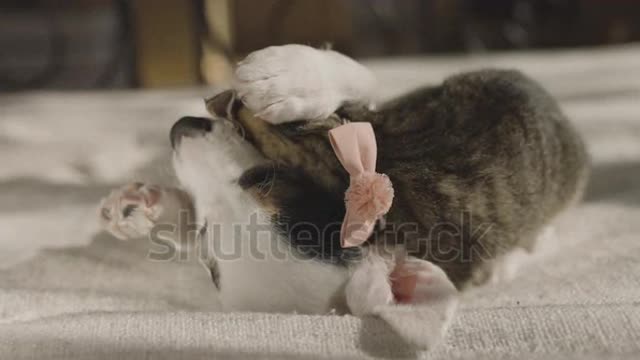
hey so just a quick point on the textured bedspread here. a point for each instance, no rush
(69, 291)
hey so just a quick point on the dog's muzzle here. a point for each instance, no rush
(189, 126)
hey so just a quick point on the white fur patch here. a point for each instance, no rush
(253, 276)
(507, 266)
(295, 82)
(369, 286)
(425, 318)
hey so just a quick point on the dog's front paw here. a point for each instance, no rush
(296, 82)
(132, 210)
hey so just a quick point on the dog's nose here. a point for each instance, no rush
(189, 126)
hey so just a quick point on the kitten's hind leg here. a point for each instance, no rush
(507, 266)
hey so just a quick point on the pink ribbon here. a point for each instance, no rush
(370, 194)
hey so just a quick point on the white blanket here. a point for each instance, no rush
(69, 291)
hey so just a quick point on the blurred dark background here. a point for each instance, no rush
(86, 44)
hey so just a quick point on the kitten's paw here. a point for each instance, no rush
(296, 82)
(506, 267)
(132, 210)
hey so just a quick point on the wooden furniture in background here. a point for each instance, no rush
(167, 46)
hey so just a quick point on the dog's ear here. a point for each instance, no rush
(222, 105)
(414, 296)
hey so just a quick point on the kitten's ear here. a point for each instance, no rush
(415, 297)
(222, 105)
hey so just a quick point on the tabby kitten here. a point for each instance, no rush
(480, 164)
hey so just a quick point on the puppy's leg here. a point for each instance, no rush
(134, 209)
(295, 82)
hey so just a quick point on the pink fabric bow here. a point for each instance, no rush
(370, 194)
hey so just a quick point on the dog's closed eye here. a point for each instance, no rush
(128, 210)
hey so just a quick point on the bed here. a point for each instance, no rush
(68, 290)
